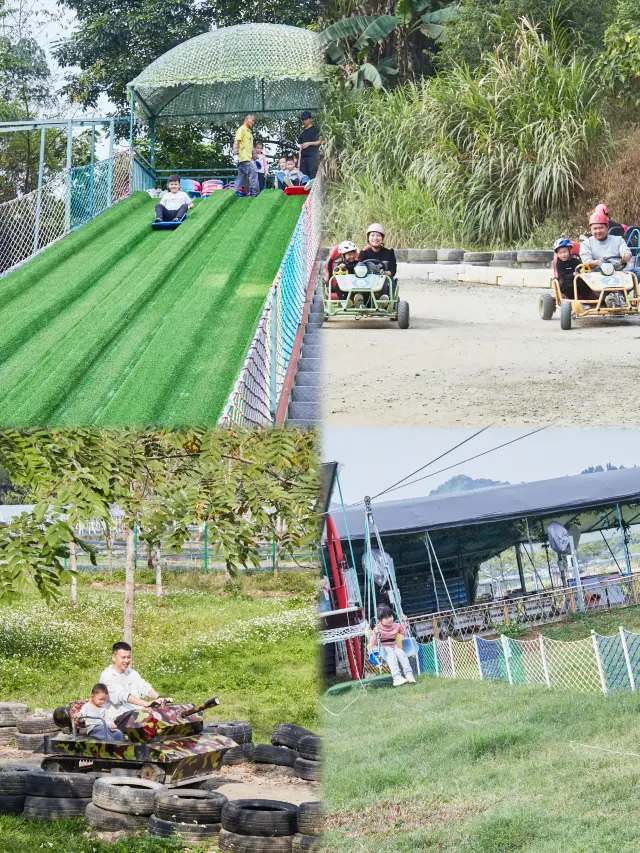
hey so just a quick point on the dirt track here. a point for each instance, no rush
(477, 354)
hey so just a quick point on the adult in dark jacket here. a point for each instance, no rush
(375, 250)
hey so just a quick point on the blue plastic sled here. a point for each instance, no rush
(157, 226)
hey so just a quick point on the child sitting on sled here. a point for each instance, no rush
(389, 634)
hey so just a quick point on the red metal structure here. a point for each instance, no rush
(338, 564)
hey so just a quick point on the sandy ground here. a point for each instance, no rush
(475, 355)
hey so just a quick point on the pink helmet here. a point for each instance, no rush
(375, 226)
(602, 208)
(598, 217)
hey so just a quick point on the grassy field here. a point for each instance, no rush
(253, 645)
(118, 323)
(469, 767)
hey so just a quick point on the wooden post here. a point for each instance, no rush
(543, 657)
(634, 589)
(572, 600)
(436, 630)
(596, 651)
(627, 659)
(505, 610)
(453, 663)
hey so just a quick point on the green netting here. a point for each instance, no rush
(268, 69)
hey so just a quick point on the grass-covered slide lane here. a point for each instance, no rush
(119, 324)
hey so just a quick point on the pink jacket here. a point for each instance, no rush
(389, 633)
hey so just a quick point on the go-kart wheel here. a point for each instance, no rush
(152, 773)
(546, 306)
(565, 315)
(403, 314)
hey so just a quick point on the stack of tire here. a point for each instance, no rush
(310, 826)
(31, 729)
(50, 796)
(9, 713)
(258, 826)
(12, 791)
(308, 765)
(191, 815)
(122, 803)
(242, 733)
(283, 750)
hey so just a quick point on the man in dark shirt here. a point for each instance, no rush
(309, 147)
(375, 250)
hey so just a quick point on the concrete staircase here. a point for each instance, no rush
(305, 406)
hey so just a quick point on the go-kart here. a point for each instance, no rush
(367, 292)
(615, 294)
(164, 743)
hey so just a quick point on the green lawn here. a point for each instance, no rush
(119, 324)
(468, 767)
(253, 645)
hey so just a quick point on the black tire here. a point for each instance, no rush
(36, 724)
(189, 806)
(418, 256)
(231, 842)
(535, 257)
(238, 754)
(10, 711)
(565, 315)
(126, 795)
(309, 770)
(546, 306)
(12, 805)
(266, 818)
(288, 734)
(403, 314)
(508, 257)
(280, 755)
(53, 808)
(8, 736)
(305, 844)
(113, 821)
(184, 831)
(64, 785)
(13, 784)
(30, 743)
(240, 732)
(479, 258)
(451, 255)
(310, 747)
(311, 818)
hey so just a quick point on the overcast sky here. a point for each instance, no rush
(375, 457)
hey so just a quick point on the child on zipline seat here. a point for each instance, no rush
(389, 634)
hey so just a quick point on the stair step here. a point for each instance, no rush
(305, 411)
(302, 423)
(312, 335)
(305, 394)
(311, 350)
(314, 319)
(308, 379)
(310, 365)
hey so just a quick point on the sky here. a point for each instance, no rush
(373, 458)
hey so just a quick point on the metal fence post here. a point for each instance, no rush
(67, 204)
(436, 660)
(39, 197)
(475, 643)
(543, 657)
(603, 681)
(507, 654)
(205, 539)
(453, 663)
(93, 171)
(112, 131)
(273, 367)
(627, 659)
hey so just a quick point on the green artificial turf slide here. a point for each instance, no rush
(119, 324)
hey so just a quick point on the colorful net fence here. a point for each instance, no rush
(596, 664)
(32, 222)
(257, 391)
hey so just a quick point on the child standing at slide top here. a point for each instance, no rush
(387, 632)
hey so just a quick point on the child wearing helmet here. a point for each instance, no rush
(565, 264)
(342, 259)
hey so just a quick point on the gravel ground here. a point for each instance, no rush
(477, 354)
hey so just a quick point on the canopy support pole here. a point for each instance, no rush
(624, 539)
(67, 202)
(93, 174)
(152, 146)
(131, 118)
(112, 133)
(39, 196)
(523, 585)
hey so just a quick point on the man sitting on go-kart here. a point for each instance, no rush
(602, 246)
(342, 259)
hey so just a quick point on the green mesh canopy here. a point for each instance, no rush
(267, 69)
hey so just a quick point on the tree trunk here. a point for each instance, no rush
(129, 588)
(109, 546)
(72, 568)
(154, 556)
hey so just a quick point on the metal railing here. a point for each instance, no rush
(256, 393)
(529, 610)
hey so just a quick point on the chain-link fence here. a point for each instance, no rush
(257, 391)
(71, 198)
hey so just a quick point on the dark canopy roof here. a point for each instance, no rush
(557, 499)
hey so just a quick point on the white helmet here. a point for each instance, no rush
(375, 226)
(347, 246)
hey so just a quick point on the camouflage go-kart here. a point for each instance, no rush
(163, 744)
(367, 292)
(613, 293)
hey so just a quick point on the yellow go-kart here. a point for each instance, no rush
(612, 292)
